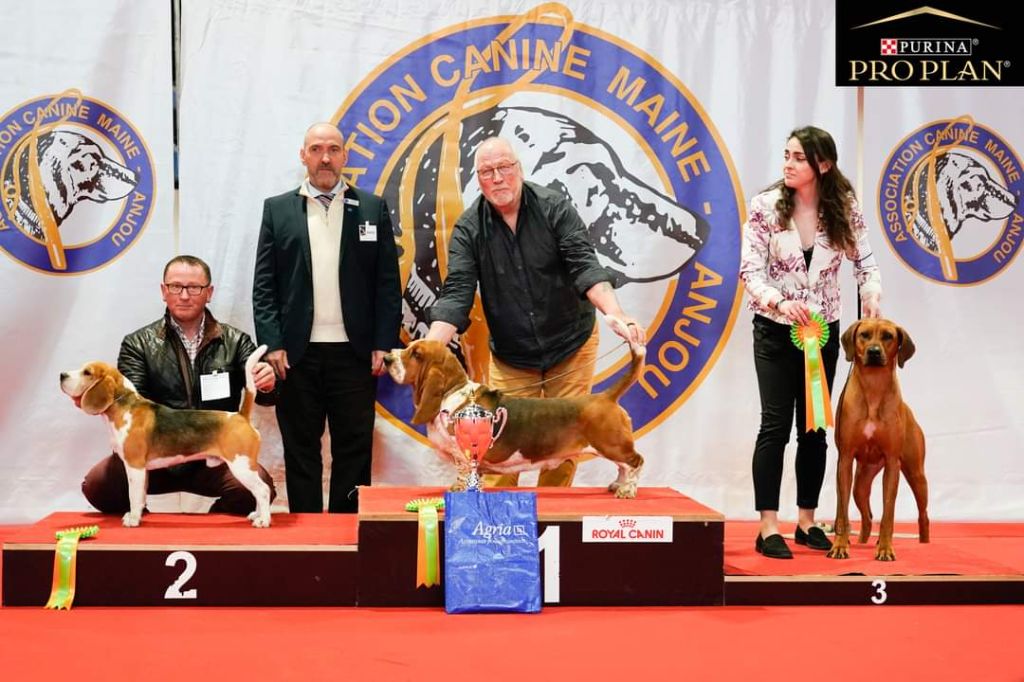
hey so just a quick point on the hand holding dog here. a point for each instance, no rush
(263, 377)
(871, 307)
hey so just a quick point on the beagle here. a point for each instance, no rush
(147, 435)
(539, 433)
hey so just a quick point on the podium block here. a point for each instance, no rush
(191, 560)
(661, 548)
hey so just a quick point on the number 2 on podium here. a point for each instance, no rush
(174, 589)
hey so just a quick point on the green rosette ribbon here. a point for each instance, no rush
(811, 338)
(65, 560)
(428, 561)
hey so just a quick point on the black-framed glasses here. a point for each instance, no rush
(192, 289)
(491, 173)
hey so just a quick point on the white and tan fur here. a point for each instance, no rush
(540, 433)
(147, 436)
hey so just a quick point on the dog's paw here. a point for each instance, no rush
(130, 520)
(839, 551)
(625, 491)
(885, 554)
(457, 487)
(614, 486)
(259, 520)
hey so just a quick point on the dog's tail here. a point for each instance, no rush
(249, 394)
(637, 351)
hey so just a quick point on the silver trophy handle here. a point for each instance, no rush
(500, 419)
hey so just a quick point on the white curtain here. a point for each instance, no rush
(91, 85)
(678, 109)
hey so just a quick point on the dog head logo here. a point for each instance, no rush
(77, 182)
(948, 198)
(591, 117)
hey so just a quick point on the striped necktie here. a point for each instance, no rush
(325, 199)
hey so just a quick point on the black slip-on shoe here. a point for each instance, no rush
(815, 538)
(773, 547)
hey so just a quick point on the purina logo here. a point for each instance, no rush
(592, 117)
(948, 199)
(943, 43)
(78, 185)
(932, 47)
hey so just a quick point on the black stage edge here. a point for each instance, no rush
(878, 590)
(162, 576)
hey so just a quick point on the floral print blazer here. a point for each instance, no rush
(772, 264)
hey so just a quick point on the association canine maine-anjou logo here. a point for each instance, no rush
(948, 200)
(592, 117)
(77, 184)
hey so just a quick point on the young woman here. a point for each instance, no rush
(794, 241)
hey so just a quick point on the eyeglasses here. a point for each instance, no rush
(491, 173)
(192, 289)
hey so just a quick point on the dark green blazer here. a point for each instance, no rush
(282, 290)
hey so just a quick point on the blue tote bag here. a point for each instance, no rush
(491, 561)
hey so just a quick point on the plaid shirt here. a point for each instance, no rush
(191, 344)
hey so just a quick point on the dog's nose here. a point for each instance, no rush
(63, 376)
(874, 352)
(388, 358)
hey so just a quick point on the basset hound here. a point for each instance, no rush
(539, 433)
(147, 435)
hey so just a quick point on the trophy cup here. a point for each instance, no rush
(476, 428)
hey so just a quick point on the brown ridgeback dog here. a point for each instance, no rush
(875, 427)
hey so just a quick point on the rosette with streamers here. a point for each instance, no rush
(65, 560)
(811, 338)
(428, 563)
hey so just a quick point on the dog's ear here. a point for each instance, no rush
(849, 341)
(99, 396)
(427, 395)
(907, 346)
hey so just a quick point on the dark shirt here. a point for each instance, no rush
(533, 281)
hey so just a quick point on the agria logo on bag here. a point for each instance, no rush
(948, 200)
(77, 184)
(592, 117)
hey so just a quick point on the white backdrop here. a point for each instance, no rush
(254, 75)
(117, 55)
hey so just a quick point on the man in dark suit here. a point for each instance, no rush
(327, 302)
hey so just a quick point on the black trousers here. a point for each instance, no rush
(780, 381)
(331, 383)
(106, 486)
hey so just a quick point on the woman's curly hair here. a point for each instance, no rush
(835, 193)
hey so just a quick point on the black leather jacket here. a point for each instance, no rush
(154, 359)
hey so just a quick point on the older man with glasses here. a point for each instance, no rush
(186, 359)
(527, 249)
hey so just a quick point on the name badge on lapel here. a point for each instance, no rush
(349, 201)
(214, 386)
(367, 232)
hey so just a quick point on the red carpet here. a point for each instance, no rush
(907, 643)
(970, 549)
(196, 529)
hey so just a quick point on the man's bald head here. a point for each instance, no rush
(323, 154)
(499, 174)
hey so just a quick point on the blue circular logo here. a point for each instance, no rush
(77, 181)
(590, 116)
(948, 199)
